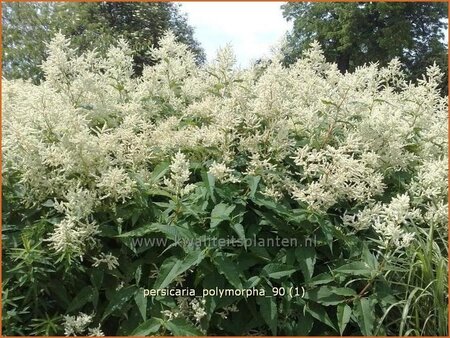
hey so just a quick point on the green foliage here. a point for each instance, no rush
(341, 297)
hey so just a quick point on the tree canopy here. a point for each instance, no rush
(28, 27)
(352, 34)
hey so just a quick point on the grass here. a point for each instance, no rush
(421, 275)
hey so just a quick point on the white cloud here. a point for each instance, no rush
(251, 27)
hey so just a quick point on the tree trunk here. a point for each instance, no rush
(343, 62)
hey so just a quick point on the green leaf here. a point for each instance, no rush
(59, 291)
(228, 268)
(141, 231)
(253, 182)
(306, 257)
(304, 324)
(84, 296)
(268, 309)
(119, 299)
(318, 312)
(159, 171)
(141, 302)
(175, 232)
(209, 182)
(343, 316)
(96, 277)
(365, 314)
(280, 225)
(239, 229)
(95, 298)
(347, 292)
(173, 267)
(356, 269)
(221, 212)
(252, 282)
(327, 295)
(369, 258)
(277, 271)
(159, 192)
(278, 208)
(322, 278)
(180, 327)
(147, 327)
(138, 274)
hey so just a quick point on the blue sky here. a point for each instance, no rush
(250, 27)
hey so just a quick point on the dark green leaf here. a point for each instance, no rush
(141, 231)
(365, 314)
(119, 299)
(159, 171)
(209, 182)
(173, 267)
(252, 282)
(355, 269)
(141, 302)
(97, 277)
(180, 327)
(253, 184)
(84, 296)
(221, 212)
(327, 295)
(304, 324)
(229, 269)
(159, 192)
(319, 312)
(322, 278)
(239, 229)
(343, 316)
(306, 257)
(148, 327)
(268, 309)
(277, 271)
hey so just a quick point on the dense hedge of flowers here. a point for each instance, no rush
(95, 157)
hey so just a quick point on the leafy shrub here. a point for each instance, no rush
(97, 162)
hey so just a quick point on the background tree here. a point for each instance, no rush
(27, 27)
(352, 34)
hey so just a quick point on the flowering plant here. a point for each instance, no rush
(95, 160)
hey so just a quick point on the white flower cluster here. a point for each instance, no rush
(227, 310)
(108, 259)
(429, 191)
(179, 176)
(77, 325)
(188, 308)
(336, 174)
(198, 308)
(387, 220)
(222, 173)
(92, 133)
(75, 231)
(72, 236)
